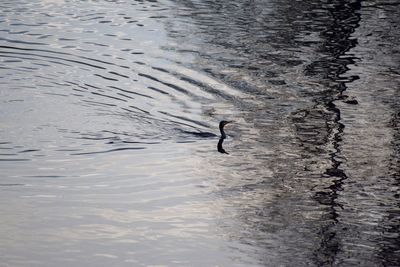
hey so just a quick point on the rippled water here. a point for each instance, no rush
(105, 112)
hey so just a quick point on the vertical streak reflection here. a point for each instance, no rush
(345, 19)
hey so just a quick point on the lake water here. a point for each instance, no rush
(101, 159)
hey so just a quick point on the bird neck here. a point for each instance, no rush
(223, 135)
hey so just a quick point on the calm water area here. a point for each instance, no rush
(107, 110)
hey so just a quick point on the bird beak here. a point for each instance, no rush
(229, 122)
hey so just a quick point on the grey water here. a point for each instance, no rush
(107, 110)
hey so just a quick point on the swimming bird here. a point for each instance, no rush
(221, 128)
(210, 135)
(223, 136)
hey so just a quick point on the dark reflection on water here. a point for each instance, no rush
(109, 126)
(257, 46)
(220, 147)
(345, 18)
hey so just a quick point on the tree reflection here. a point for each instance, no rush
(259, 47)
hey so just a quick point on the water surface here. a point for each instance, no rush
(101, 106)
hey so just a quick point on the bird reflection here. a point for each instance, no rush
(222, 137)
(219, 146)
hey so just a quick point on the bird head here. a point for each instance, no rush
(221, 128)
(223, 123)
